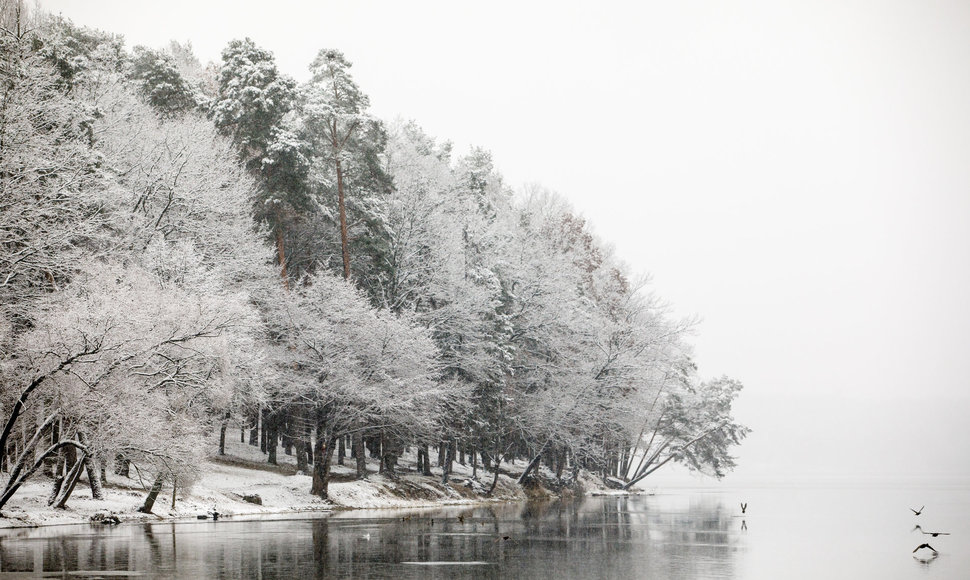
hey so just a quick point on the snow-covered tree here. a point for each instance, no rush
(152, 302)
(131, 364)
(354, 367)
(49, 211)
(336, 122)
(135, 284)
(161, 83)
(694, 427)
(253, 98)
(253, 107)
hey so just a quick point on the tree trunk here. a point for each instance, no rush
(222, 434)
(341, 451)
(57, 483)
(271, 434)
(302, 446)
(18, 476)
(640, 478)
(22, 401)
(70, 482)
(281, 252)
(254, 430)
(360, 454)
(342, 208)
(122, 466)
(498, 461)
(287, 441)
(321, 465)
(390, 452)
(54, 468)
(424, 460)
(373, 446)
(449, 459)
(300, 449)
(93, 469)
(532, 465)
(153, 494)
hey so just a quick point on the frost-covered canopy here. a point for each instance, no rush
(181, 247)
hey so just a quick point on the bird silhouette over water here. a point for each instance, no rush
(925, 546)
(744, 506)
(917, 512)
(934, 534)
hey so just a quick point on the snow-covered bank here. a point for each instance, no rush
(243, 472)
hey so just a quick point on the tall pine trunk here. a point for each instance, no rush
(281, 253)
(345, 249)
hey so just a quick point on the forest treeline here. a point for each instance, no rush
(192, 250)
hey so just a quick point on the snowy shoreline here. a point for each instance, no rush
(281, 490)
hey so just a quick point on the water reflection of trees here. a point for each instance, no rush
(635, 537)
(597, 537)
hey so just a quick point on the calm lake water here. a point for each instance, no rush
(813, 532)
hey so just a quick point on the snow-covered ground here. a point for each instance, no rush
(243, 471)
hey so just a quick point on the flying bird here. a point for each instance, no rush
(917, 512)
(925, 546)
(744, 506)
(934, 534)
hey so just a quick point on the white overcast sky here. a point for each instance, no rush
(795, 173)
